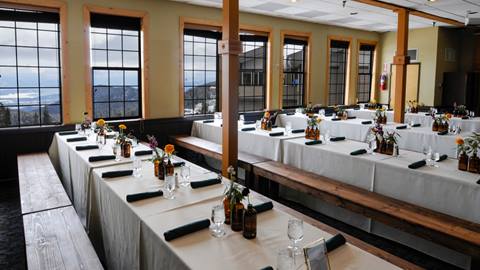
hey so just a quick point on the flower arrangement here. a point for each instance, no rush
(391, 137)
(460, 110)
(461, 147)
(169, 150)
(153, 144)
(87, 123)
(232, 202)
(266, 123)
(412, 106)
(440, 122)
(380, 116)
(372, 104)
(309, 109)
(312, 132)
(122, 135)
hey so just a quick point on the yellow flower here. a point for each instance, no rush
(459, 141)
(319, 120)
(373, 101)
(122, 127)
(169, 149)
(100, 122)
(266, 115)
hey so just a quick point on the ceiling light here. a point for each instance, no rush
(431, 0)
(293, 1)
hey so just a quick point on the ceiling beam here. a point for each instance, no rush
(411, 11)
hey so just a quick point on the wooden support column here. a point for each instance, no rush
(401, 60)
(230, 47)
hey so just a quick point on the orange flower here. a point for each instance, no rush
(449, 115)
(266, 115)
(459, 141)
(169, 149)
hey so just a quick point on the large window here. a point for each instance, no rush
(293, 73)
(253, 62)
(200, 71)
(30, 86)
(338, 71)
(365, 71)
(116, 66)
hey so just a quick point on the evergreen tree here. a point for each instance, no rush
(46, 118)
(4, 116)
(35, 118)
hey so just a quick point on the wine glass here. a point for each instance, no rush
(218, 218)
(371, 144)
(295, 234)
(258, 124)
(185, 174)
(137, 167)
(288, 128)
(118, 152)
(169, 187)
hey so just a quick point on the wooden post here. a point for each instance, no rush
(401, 60)
(230, 47)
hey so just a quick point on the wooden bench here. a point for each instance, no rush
(451, 232)
(214, 150)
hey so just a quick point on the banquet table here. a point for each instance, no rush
(257, 142)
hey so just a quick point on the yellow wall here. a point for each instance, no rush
(164, 47)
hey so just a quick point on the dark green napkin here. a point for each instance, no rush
(336, 139)
(356, 109)
(276, 134)
(416, 125)
(402, 127)
(248, 122)
(328, 114)
(205, 183)
(77, 139)
(300, 130)
(445, 132)
(366, 122)
(336, 119)
(290, 113)
(101, 158)
(178, 163)
(358, 152)
(113, 174)
(465, 117)
(143, 153)
(336, 241)
(260, 208)
(442, 158)
(267, 268)
(86, 147)
(186, 229)
(143, 195)
(209, 121)
(352, 117)
(314, 142)
(248, 129)
(63, 133)
(417, 164)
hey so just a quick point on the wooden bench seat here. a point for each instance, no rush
(40, 186)
(446, 230)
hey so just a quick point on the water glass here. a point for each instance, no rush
(137, 167)
(218, 218)
(285, 260)
(327, 137)
(288, 128)
(322, 112)
(169, 187)
(362, 106)
(371, 145)
(78, 127)
(428, 156)
(258, 124)
(185, 174)
(295, 234)
(118, 152)
(436, 158)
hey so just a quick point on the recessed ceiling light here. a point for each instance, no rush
(431, 0)
(293, 1)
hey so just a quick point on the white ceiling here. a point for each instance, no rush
(367, 18)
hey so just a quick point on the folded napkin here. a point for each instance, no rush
(275, 134)
(445, 132)
(110, 136)
(275, 126)
(143, 195)
(328, 114)
(86, 147)
(143, 153)
(336, 139)
(358, 152)
(402, 127)
(290, 113)
(209, 121)
(442, 158)
(336, 119)
(178, 163)
(313, 142)
(389, 110)
(478, 182)
(101, 158)
(465, 117)
(248, 129)
(336, 241)
(300, 130)
(113, 174)
(205, 183)
(352, 117)
(68, 133)
(356, 109)
(186, 229)
(427, 114)
(267, 268)
(416, 125)
(77, 139)
(260, 208)
(417, 164)
(248, 122)
(366, 122)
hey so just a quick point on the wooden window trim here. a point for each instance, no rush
(348, 73)
(145, 18)
(306, 36)
(61, 7)
(375, 71)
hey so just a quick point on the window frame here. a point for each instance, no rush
(371, 49)
(305, 68)
(375, 71)
(346, 91)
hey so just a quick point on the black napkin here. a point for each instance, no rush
(248, 122)
(267, 268)
(465, 117)
(186, 229)
(68, 133)
(336, 119)
(313, 142)
(401, 127)
(101, 158)
(248, 129)
(113, 174)
(442, 158)
(356, 109)
(86, 147)
(275, 134)
(389, 110)
(366, 122)
(352, 117)
(417, 164)
(427, 114)
(77, 139)
(416, 125)
(478, 182)
(336, 139)
(275, 126)
(260, 208)
(445, 132)
(328, 114)
(358, 152)
(290, 113)
(205, 183)
(300, 130)
(143, 153)
(336, 241)
(144, 195)
(209, 121)
(178, 163)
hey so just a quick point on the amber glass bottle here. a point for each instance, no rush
(226, 207)
(236, 216)
(162, 170)
(474, 164)
(126, 149)
(170, 168)
(250, 223)
(463, 161)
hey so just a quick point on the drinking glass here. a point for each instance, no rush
(185, 174)
(362, 106)
(288, 128)
(371, 144)
(436, 158)
(137, 167)
(258, 124)
(327, 136)
(169, 187)
(428, 155)
(78, 127)
(118, 152)
(295, 234)
(285, 260)
(218, 218)
(322, 112)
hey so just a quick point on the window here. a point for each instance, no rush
(253, 61)
(338, 70)
(293, 73)
(30, 81)
(200, 71)
(116, 66)
(365, 71)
